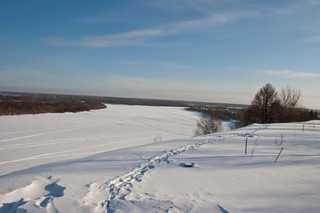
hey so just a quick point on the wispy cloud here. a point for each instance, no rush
(292, 74)
(142, 36)
(313, 3)
(165, 65)
(122, 39)
(312, 39)
(97, 19)
(297, 6)
(308, 24)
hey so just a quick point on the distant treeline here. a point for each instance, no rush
(130, 101)
(16, 104)
(239, 115)
(268, 106)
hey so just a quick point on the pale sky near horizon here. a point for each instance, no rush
(197, 50)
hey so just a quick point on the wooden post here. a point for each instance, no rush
(279, 154)
(246, 147)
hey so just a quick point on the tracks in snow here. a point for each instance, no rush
(120, 187)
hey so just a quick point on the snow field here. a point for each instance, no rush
(30, 140)
(151, 177)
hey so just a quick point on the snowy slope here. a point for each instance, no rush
(226, 180)
(30, 140)
(151, 177)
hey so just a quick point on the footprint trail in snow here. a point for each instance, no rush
(120, 187)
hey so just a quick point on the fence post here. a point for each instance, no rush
(279, 154)
(246, 146)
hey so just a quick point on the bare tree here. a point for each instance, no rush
(268, 107)
(207, 125)
(263, 103)
(290, 101)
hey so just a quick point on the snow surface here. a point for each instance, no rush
(112, 160)
(30, 140)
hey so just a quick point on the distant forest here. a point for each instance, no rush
(26, 103)
(14, 103)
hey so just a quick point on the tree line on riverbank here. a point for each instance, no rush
(16, 104)
(272, 106)
(267, 106)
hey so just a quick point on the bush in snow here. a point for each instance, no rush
(207, 125)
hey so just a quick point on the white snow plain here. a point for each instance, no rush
(131, 159)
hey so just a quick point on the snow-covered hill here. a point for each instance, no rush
(126, 171)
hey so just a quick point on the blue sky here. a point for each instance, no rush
(202, 50)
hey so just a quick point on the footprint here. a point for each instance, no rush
(45, 202)
(11, 207)
(54, 190)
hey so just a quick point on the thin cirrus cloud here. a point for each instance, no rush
(312, 39)
(122, 39)
(97, 19)
(293, 74)
(143, 36)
